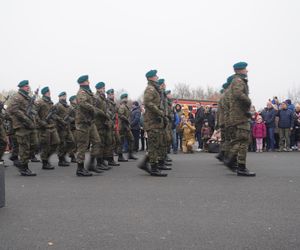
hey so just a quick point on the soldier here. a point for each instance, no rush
(46, 120)
(103, 122)
(3, 142)
(24, 126)
(113, 129)
(170, 116)
(124, 127)
(86, 131)
(72, 111)
(239, 114)
(220, 125)
(64, 119)
(154, 125)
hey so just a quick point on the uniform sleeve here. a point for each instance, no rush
(150, 105)
(82, 102)
(15, 110)
(238, 91)
(121, 113)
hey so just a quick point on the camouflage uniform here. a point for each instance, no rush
(72, 112)
(86, 131)
(49, 139)
(64, 119)
(24, 128)
(2, 136)
(238, 123)
(220, 125)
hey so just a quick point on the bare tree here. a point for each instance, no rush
(182, 91)
(294, 94)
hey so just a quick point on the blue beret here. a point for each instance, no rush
(168, 92)
(23, 83)
(62, 94)
(161, 81)
(151, 73)
(240, 65)
(100, 85)
(110, 91)
(83, 79)
(123, 96)
(44, 90)
(72, 98)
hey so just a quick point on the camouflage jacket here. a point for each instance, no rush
(85, 110)
(124, 116)
(112, 111)
(153, 117)
(63, 118)
(101, 118)
(72, 113)
(239, 101)
(220, 113)
(44, 106)
(17, 109)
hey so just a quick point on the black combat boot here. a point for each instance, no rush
(143, 165)
(156, 172)
(168, 159)
(231, 163)
(92, 167)
(73, 158)
(34, 159)
(25, 171)
(111, 162)
(220, 156)
(47, 165)
(121, 158)
(81, 171)
(162, 165)
(101, 165)
(62, 162)
(131, 156)
(243, 171)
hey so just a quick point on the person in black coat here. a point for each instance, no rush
(269, 114)
(135, 118)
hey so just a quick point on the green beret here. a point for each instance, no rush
(240, 65)
(168, 92)
(225, 85)
(23, 83)
(229, 79)
(62, 94)
(100, 85)
(151, 73)
(110, 91)
(123, 96)
(161, 81)
(44, 90)
(83, 79)
(72, 98)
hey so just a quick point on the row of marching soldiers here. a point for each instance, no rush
(87, 124)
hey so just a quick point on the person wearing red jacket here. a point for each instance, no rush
(259, 132)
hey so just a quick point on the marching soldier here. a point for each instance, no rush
(86, 131)
(102, 121)
(64, 119)
(46, 120)
(72, 111)
(113, 129)
(220, 125)
(24, 126)
(125, 130)
(239, 114)
(154, 125)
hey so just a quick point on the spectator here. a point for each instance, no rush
(297, 125)
(209, 116)
(206, 132)
(135, 118)
(252, 142)
(199, 116)
(285, 125)
(175, 124)
(259, 132)
(268, 115)
(188, 130)
(178, 130)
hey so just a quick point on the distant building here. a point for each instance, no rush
(192, 104)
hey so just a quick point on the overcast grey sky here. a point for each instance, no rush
(195, 42)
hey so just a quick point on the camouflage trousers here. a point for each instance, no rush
(27, 141)
(74, 149)
(87, 136)
(225, 141)
(156, 145)
(126, 135)
(49, 141)
(168, 139)
(106, 145)
(67, 142)
(239, 140)
(116, 141)
(3, 142)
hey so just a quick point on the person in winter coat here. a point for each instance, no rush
(135, 118)
(206, 133)
(268, 115)
(259, 133)
(199, 116)
(285, 125)
(297, 125)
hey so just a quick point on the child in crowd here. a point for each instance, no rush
(206, 134)
(259, 132)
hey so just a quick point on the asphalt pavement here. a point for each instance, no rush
(200, 205)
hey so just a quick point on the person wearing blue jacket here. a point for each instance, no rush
(135, 118)
(269, 114)
(285, 125)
